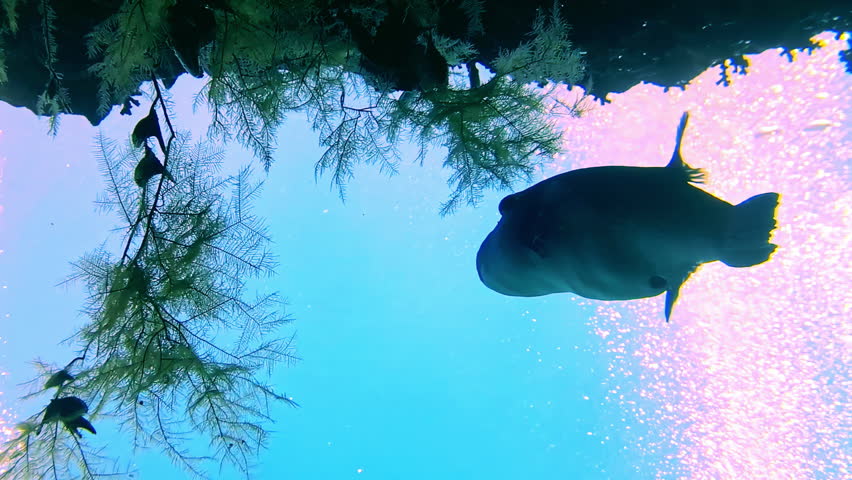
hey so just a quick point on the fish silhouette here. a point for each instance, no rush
(621, 233)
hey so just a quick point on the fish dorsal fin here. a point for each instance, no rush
(693, 175)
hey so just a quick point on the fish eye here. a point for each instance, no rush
(507, 203)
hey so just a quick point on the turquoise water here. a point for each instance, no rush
(410, 368)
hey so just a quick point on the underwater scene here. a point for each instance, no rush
(387, 348)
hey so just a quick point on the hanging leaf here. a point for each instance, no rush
(58, 379)
(79, 422)
(148, 167)
(146, 128)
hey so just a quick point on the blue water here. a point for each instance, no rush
(410, 367)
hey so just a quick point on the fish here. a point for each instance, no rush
(621, 233)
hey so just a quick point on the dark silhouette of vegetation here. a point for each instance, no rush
(625, 42)
(344, 64)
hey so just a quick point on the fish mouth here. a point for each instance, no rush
(509, 268)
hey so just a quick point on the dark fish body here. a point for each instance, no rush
(620, 233)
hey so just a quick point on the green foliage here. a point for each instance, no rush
(268, 59)
(494, 134)
(159, 309)
(248, 104)
(10, 9)
(473, 10)
(173, 343)
(54, 99)
(487, 132)
(54, 453)
(455, 50)
(547, 56)
(11, 25)
(353, 128)
(252, 86)
(131, 42)
(3, 76)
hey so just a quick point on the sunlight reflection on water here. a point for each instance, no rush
(751, 378)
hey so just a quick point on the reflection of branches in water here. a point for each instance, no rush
(174, 345)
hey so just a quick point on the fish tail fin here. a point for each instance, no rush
(747, 242)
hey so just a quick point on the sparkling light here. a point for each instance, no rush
(751, 379)
(7, 415)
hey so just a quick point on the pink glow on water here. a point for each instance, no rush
(2, 169)
(7, 416)
(751, 379)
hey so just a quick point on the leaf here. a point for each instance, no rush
(58, 379)
(148, 167)
(146, 128)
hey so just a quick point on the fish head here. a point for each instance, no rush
(514, 259)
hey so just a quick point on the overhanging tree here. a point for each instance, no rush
(342, 63)
(173, 343)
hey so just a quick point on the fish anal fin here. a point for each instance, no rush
(674, 291)
(671, 298)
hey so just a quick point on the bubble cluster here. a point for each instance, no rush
(751, 379)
